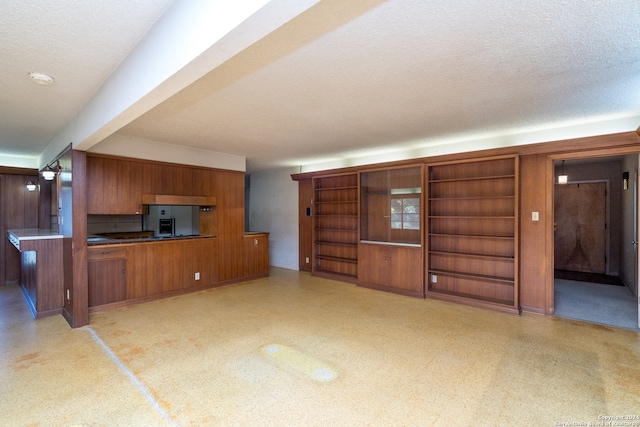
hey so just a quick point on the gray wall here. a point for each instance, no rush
(273, 207)
(627, 263)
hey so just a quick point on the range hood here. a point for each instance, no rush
(170, 199)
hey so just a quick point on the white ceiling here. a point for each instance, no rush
(340, 80)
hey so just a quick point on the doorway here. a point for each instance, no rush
(589, 244)
(580, 224)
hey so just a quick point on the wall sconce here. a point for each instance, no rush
(562, 178)
(625, 180)
(31, 186)
(49, 173)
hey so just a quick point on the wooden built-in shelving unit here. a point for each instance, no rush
(390, 251)
(335, 218)
(473, 232)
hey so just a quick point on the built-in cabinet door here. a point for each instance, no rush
(256, 255)
(395, 268)
(114, 186)
(107, 276)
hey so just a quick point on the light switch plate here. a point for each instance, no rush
(535, 216)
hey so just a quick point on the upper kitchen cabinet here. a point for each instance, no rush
(114, 186)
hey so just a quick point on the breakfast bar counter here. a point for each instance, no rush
(42, 274)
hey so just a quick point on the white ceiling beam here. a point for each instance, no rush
(192, 38)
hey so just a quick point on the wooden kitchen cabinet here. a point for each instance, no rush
(114, 186)
(107, 275)
(393, 268)
(256, 254)
(147, 270)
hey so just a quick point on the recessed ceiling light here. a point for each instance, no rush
(41, 79)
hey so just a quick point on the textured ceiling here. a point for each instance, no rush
(77, 42)
(343, 78)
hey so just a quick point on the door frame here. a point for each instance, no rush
(549, 212)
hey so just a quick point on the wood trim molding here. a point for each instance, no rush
(6, 170)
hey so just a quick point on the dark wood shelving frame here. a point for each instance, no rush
(336, 210)
(472, 233)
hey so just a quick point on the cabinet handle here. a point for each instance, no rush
(386, 257)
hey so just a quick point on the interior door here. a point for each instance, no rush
(580, 227)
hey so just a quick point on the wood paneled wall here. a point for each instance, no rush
(534, 283)
(305, 222)
(536, 195)
(18, 209)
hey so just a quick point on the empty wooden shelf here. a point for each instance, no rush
(473, 231)
(335, 218)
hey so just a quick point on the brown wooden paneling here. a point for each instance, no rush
(44, 204)
(154, 268)
(392, 268)
(256, 255)
(42, 277)
(76, 162)
(533, 255)
(305, 224)
(137, 277)
(230, 217)
(107, 281)
(18, 209)
(96, 176)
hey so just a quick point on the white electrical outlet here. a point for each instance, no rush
(434, 278)
(307, 260)
(68, 296)
(535, 216)
(198, 275)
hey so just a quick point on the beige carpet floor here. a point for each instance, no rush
(296, 350)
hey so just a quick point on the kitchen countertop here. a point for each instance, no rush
(102, 240)
(19, 236)
(35, 234)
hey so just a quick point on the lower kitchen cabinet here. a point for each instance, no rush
(107, 275)
(391, 267)
(146, 270)
(256, 254)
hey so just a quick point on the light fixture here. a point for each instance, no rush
(41, 79)
(49, 173)
(562, 178)
(31, 186)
